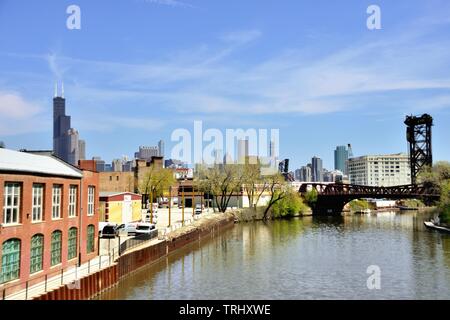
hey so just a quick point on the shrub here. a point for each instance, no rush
(289, 206)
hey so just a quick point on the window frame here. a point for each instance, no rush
(90, 239)
(72, 244)
(13, 190)
(37, 254)
(73, 199)
(55, 258)
(56, 205)
(91, 201)
(37, 206)
(10, 262)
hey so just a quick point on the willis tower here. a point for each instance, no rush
(66, 142)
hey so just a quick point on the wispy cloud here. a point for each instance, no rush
(18, 116)
(171, 3)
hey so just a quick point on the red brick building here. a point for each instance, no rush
(48, 216)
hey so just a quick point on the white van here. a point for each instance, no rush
(145, 228)
(128, 228)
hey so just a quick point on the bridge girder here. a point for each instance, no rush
(331, 198)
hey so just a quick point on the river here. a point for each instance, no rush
(304, 258)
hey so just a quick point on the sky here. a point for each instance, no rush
(139, 69)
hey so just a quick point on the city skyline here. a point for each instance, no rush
(314, 74)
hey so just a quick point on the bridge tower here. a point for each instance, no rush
(418, 135)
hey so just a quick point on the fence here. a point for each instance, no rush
(109, 254)
(49, 282)
(137, 241)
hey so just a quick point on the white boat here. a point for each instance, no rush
(431, 225)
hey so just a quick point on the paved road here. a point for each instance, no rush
(176, 216)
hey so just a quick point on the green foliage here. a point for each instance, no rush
(311, 197)
(438, 177)
(288, 206)
(413, 203)
(156, 181)
(444, 203)
(359, 205)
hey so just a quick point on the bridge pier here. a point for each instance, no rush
(331, 206)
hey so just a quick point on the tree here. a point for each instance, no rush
(222, 181)
(289, 205)
(155, 181)
(438, 178)
(254, 185)
(277, 189)
(311, 198)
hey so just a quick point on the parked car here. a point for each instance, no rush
(129, 228)
(149, 216)
(109, 231)
(145, 228)
(198, 209)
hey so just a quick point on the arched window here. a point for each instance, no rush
(10, 260)
(56, 247)
(36, 253)
(72, 245)
(90, 238)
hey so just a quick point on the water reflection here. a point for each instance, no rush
(307, 258)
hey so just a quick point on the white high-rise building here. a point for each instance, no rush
(242, 152)
(161, 148)
(380, 170)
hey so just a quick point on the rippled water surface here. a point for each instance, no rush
(306, 258)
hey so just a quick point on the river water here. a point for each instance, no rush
(304, 258)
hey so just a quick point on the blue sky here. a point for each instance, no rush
(139, 69)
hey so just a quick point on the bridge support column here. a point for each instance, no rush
(329, 207)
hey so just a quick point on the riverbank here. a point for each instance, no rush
(92, 285)
(299, 259)
(249, 215)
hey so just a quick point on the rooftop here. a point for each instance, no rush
(11, 160)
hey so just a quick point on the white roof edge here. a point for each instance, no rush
(16, 161)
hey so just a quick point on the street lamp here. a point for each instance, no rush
(170, 203)
(182, 200)
(193, 200)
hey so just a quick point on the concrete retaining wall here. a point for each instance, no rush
(94, 284)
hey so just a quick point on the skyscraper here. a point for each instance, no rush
(242, 152)
(341, 159)
(161, 148)
(82, 149)
(317, 169)
(66, 143)
(147, 153)
(304, 174)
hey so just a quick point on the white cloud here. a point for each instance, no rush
(171, 3)
(243, 36)
(13, 106)
(18, 116)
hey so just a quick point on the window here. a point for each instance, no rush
(37, 253)
(56, 247)
(10, 260)
(72, 246)
(11, 204)
(38, 201)
(56, 202)
(90, 238)
(91, 194)
(73, 190)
